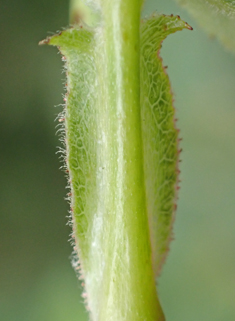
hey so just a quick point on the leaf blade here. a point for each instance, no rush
(159, 134)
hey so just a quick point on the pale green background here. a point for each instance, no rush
(36, 279)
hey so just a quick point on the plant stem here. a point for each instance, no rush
(79, 11)
(128, 285)
(105, 162)
(121, 154)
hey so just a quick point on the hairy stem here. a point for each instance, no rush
(121, 154)
(127, 280)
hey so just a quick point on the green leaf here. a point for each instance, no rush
(160, 136)
(121, 154)
(217, 17)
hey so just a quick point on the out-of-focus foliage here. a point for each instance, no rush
(217, 17)
(36, 277)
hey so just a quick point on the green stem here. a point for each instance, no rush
(75, 9)
(122, 156)
(80, 12)
(127, 283)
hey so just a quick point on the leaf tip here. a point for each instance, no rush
(44, 41)
(188, 26)
(51, 40)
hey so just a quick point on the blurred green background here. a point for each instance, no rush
(37, 281)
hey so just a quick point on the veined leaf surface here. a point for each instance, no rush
(160, 136)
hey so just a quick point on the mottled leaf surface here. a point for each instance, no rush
(77, 47)
(160, 136)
